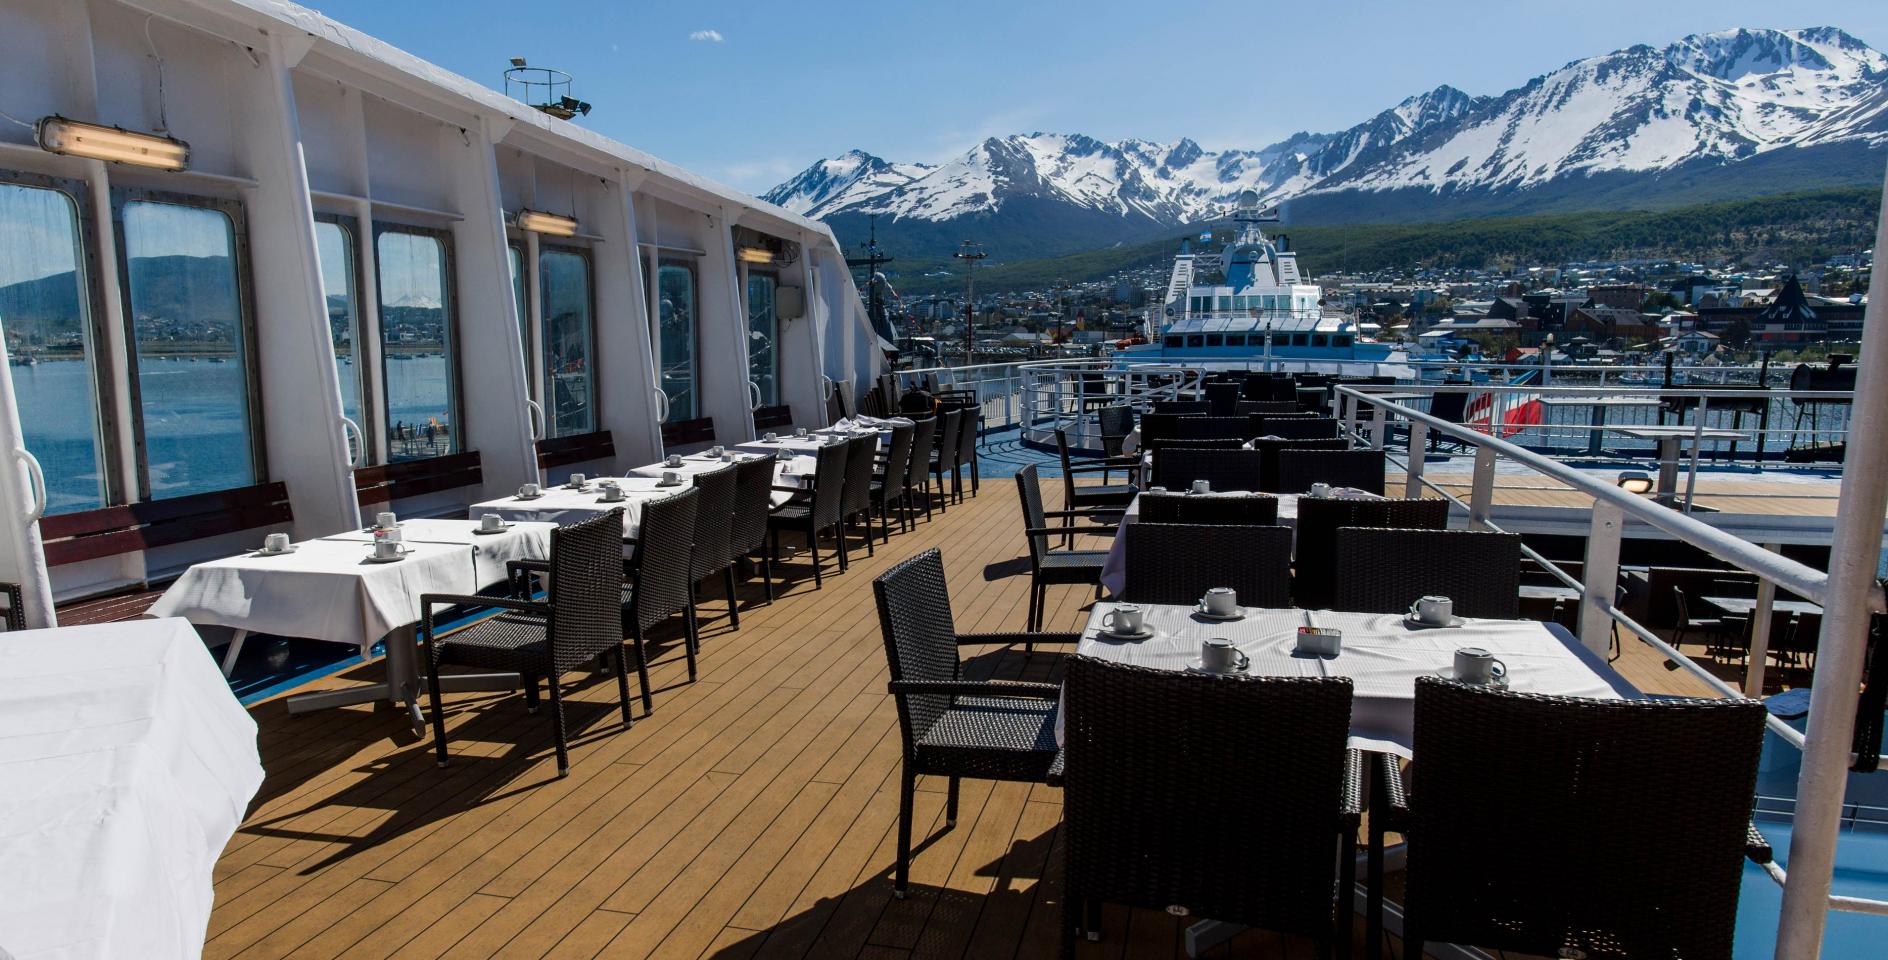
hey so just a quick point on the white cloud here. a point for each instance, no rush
(712, 36)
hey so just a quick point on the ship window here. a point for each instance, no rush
(1195, 340)
(1271, 302)
(1319, 340)
(1174, 343)
(763, 360)
(191, 392)
(1340, 340)
(334, 249)
(1235, 340)
(45, 312)
(1215, 340)
(569, 376)
(1298, 340)
(675, 336)
(1225, 303)
(416, 343)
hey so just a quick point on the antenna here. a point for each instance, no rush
(970, 254)
(873, 259)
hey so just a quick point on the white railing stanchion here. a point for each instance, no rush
(1347, 408)
(1601, 576)
(1379, 426)
(1697, 450)
(1760, 633)
(1413, 467)
(1482, 494)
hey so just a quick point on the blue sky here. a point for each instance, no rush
(751, 93)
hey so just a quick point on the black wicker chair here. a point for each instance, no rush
(814, 511)
(1357, 469)
(1103, 495)
(1209, 796)
(1253, 510)
(969, 430)
(1386, 570)
(753, 501)
(1047, 565)
(575, 623)
(1177, 563)
(1297, 428)
(1223, 398)
(714, 530)
(1181, 408)
(952, 727)
(1177, 467)
(918, 468)
(1154, 449)
(1315, 562)
(16, 606)
(1213, 428)
(1268, 466)
(1246, 408)
(1115, 423)
(1618, 883)
(944, 454)
(656, 580)
(888, 485)
(855, 500)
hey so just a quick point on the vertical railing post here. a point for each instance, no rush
(1602, 576)
(1760, 617)
(1379, 425)
(1347, 408)
(1482, 494)
(1413, 470)
(1697, 449)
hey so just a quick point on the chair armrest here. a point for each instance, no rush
(978, 688)
(1355, 765)
(1061, 531)
(969, 639)
(539, 566)
(1394, 811)
(1756, 847)
(780, 489)
(1083, 513)
(430, 600)
(1092, 467)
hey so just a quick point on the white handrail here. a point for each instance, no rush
(536, 419)
(753, 390)
(357, 450)
(662, 405)
(37, 478)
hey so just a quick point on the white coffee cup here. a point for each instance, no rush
(1202, 486)
(1218, 655)
(612, 491)
(386, 549)
(385, 520)
(771, 436)
(275, 543)
(727, 458)
(528, 490)
(674, 460)
(717, 450)
(671, 477)
(491, 521)
(577, 479)
(1125, 619)
(1439, 610)
(1476, 665)
(1156, 489)
(1320, 489)
(799, 431)
(1221, 601)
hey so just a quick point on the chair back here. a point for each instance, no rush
(829, 483)
(714, 521)
(1223, 398)
(775, 416)
(897, 459)
(662, 568)
(1296, 427)
(1384, 570)
(914, 614)
(968, 432)
(1450, 407)
(949, 434)
(753, 500)
(1178, 563)
(1357, 469)
(1177, 467)
(860, 454)
(1255, 510)
(1213, 428)
(1219, 794)
(1246, 408)
(1029, 491)
(1182, 408)
(1268, 467)
(923, 439)
(585, 592)
(1315, 560)
(1115, 423)
(1576, 778)
(842, 394)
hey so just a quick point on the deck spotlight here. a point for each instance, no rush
(74, 138)
(1635, 482)
(754, 255)
(517, 61)
(549, 224)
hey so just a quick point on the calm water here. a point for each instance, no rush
(194, 422)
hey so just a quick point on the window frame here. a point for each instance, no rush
(675, 258)
(351, 227)
(747, 330)
(538, 382)
(234, 210)
(103, 360)
(455, 380)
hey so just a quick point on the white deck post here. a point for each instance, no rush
(1413, 463)
(1847, 602)
(1379, 425)
(1482, 495)
(1760, 618)
(1601, 576)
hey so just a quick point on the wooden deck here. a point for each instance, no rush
(752, 815)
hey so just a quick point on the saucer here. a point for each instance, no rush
(1448, 673)
(274, 553)
(536, 496)
(373, 559)
(1409, 620)
(1147, 633)
(1193, 666)
(661, 483)
(502, 529)
(1239, 613)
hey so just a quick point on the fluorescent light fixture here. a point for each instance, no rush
(1633, 481)
(76, 139)
(546, 223)
(754, 254)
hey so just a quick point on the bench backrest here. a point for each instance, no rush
(684, 432)
(385, 483)
(578, 448)
(110, 531)
(766, 418)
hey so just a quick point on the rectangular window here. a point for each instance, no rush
(569, 385)
(45, 314)
(763, 361)
(675, 336)
(416, 343)
(1225, 303)
(1235, 340)
(192, 393)
(1215, 340)
(335, 248)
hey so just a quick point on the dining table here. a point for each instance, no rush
(567, 503)
(125, 768)
(1382, 654)
(792, 472)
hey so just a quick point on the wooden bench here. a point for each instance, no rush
(411, 478)
(581, 448)
(112, 531)
(767, 418)
(683, 433)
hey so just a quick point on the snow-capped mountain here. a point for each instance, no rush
(1728, 108)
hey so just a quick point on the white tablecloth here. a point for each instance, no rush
(562, 504)
(795, 475)
(1381, 654)
(803, 448)
(1114, 570)
(521, 540)
(325, 590)
(125, 766)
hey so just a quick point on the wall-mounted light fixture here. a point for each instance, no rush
(754, 255)
(549, 224)
(75, 138)
(1633, 481)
